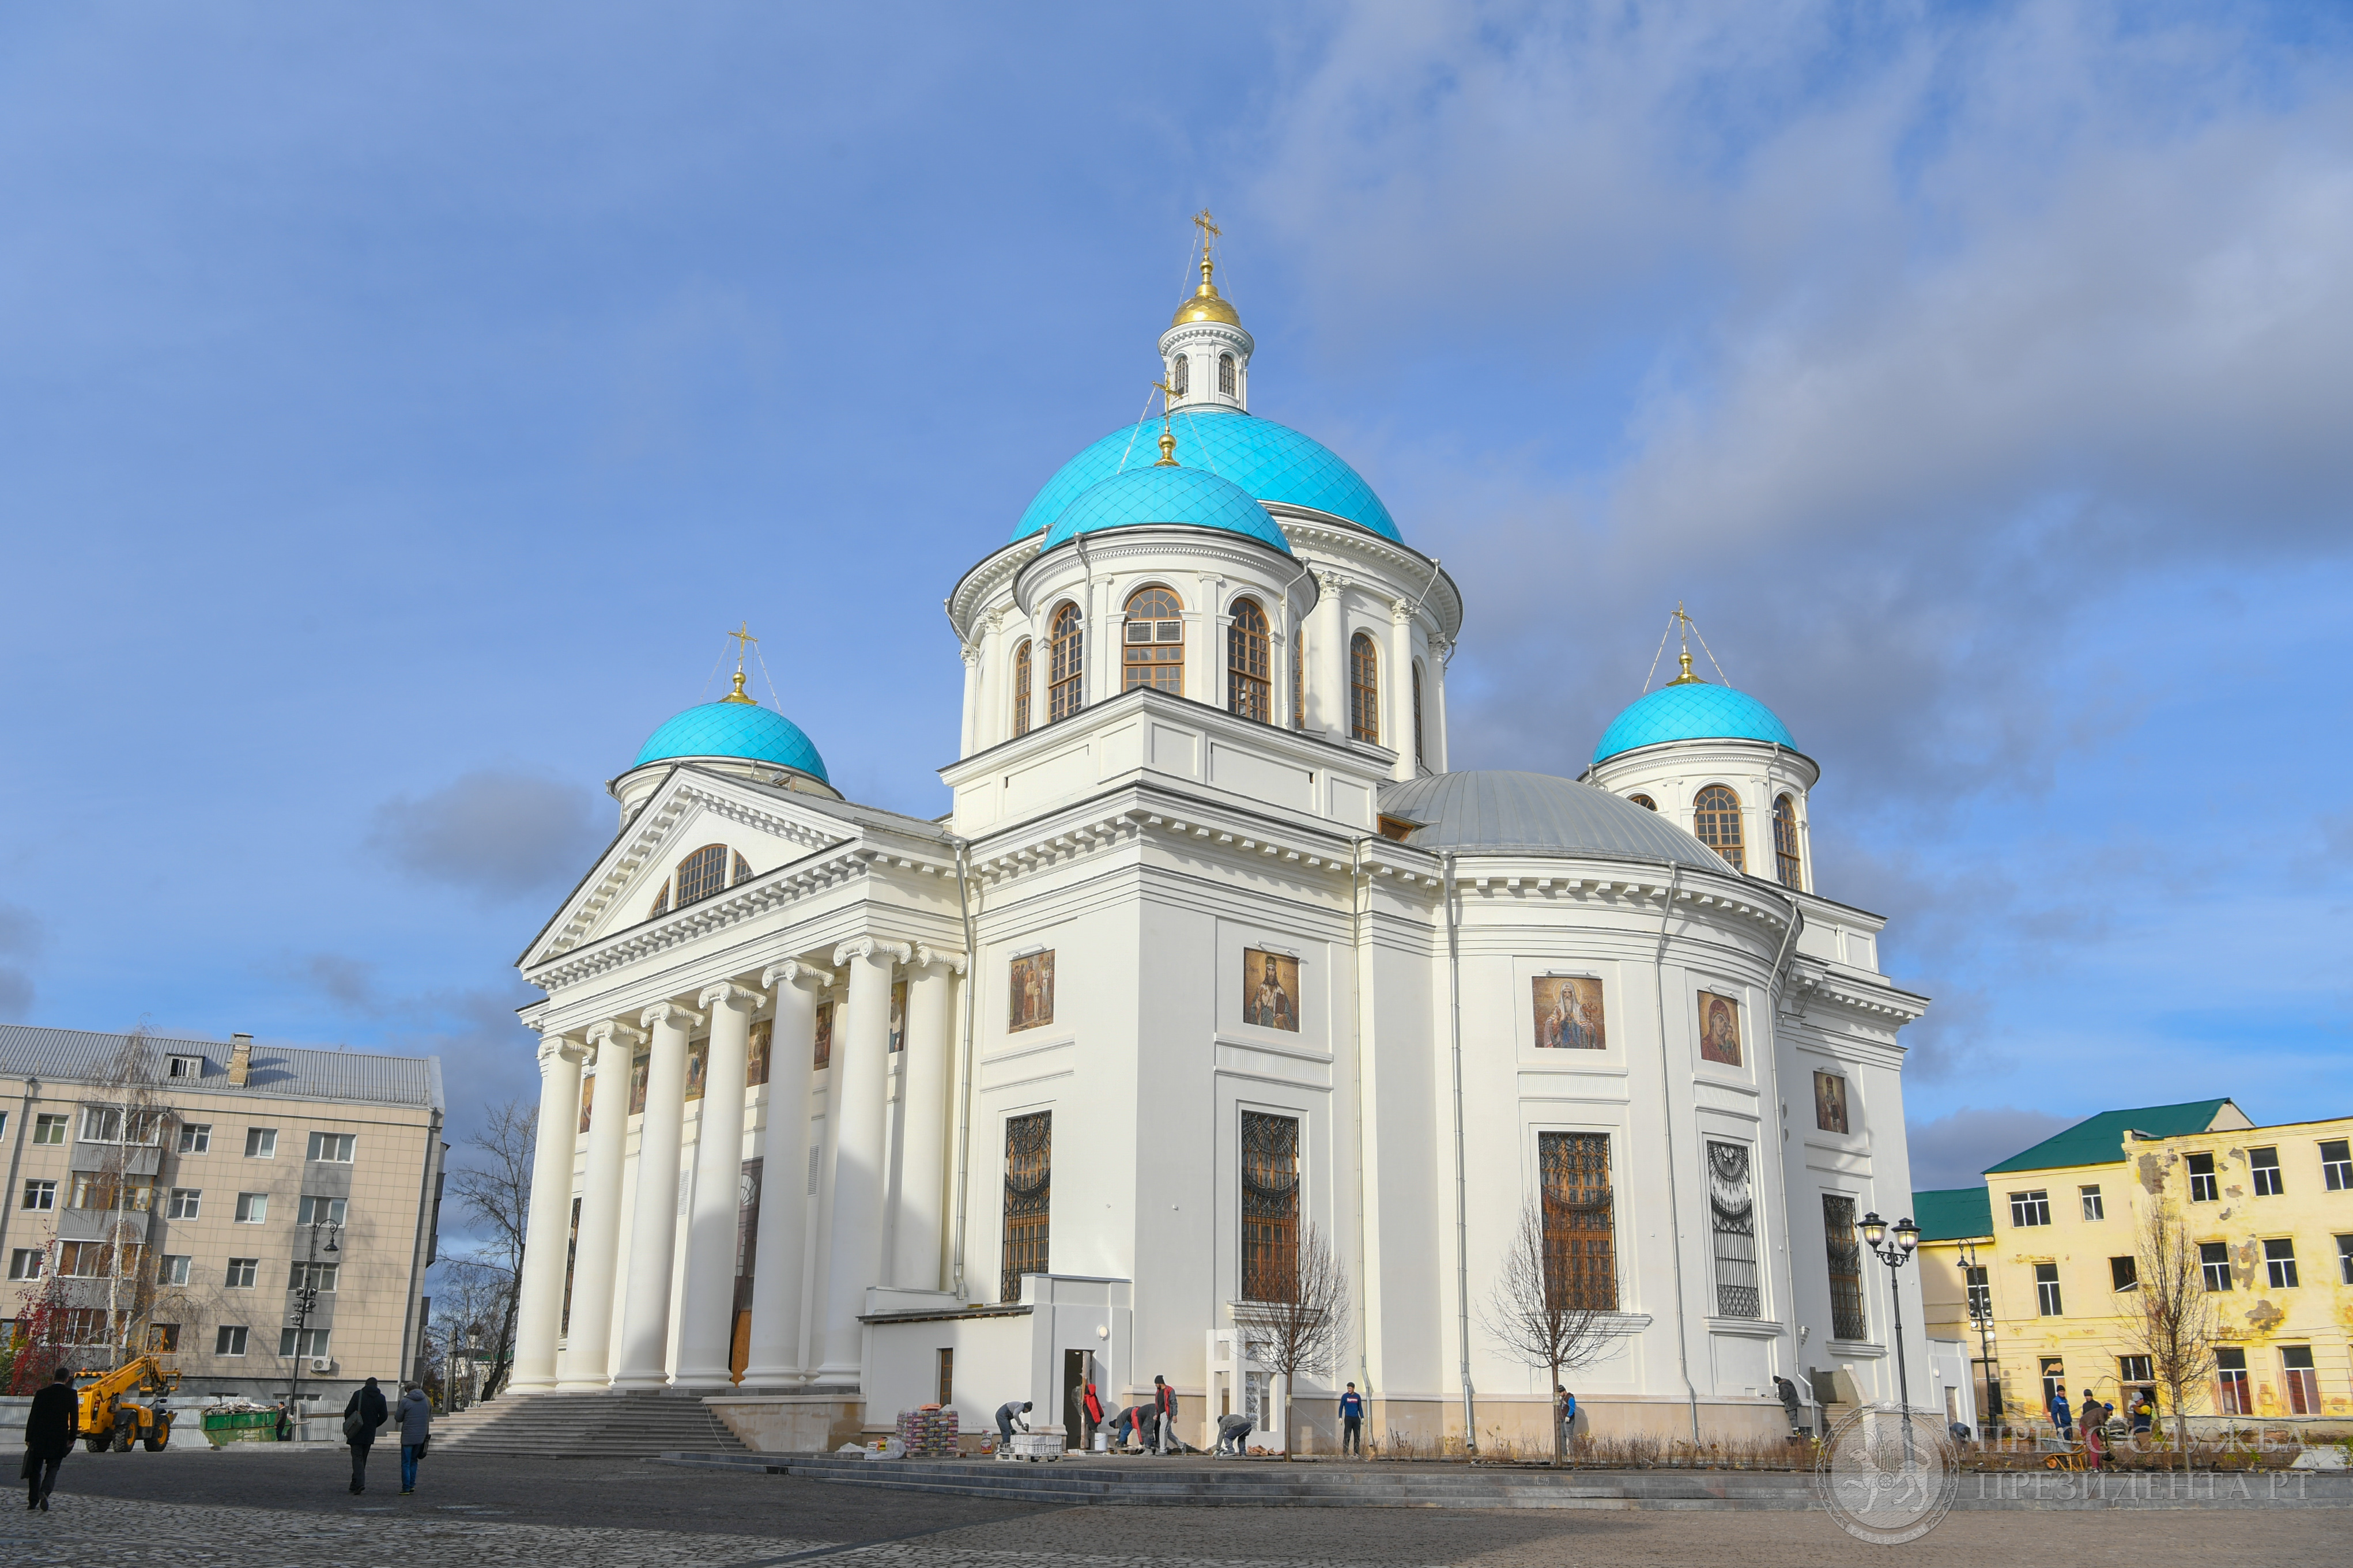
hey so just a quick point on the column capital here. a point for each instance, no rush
(794, 971)
(971, 655)
(873, 947)
(927, 955)
(727, 994)
(1331, 582)
(614, 1032)
(554, 1048)
(671, 1013)
(1400, 612)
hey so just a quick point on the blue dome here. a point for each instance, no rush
(1272, 462)
(742, 730)
(1693, 711)
(1141, 496)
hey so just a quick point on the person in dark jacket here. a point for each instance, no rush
(1351, 1422)
(50, 1428)
(362, 1415)
(1232, 1431)
(1164, 1417)
(1008, 1416)
(415, 1414)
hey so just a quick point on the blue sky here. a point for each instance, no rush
(397, 404)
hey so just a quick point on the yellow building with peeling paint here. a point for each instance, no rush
(2270, 1209)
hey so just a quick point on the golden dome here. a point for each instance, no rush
(1207, 304)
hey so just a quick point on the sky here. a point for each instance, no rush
(398, 404)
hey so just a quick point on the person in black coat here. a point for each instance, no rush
(364, 1413)
(50, 1428)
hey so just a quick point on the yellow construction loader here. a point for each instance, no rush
(126, 1405)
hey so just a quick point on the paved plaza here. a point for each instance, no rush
(132, 1511)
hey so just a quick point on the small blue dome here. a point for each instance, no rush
(1270, 461)
(1188, 497)
(742, 730)
(1691, 710)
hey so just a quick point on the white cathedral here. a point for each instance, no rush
(845, 1112)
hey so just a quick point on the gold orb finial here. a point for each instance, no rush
(744, 639)
(1167, 450)
(739, 695)
(1206, 305)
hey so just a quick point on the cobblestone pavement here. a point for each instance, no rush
(134, 1511)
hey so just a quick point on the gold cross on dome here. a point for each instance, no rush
(1208, 226)
(742, 639)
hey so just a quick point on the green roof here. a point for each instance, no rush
(2099, 1139)
(1953, 1214)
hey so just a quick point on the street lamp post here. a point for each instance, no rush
(1985, 1345)
(306, 1296)
(1895, 1254)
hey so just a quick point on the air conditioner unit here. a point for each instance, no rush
(322, 1364)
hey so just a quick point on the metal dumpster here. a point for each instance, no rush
(223, 1427)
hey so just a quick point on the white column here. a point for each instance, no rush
(589, 1343)
(971, 699)
(706, 1327)
(1328, 676)
(860, 1100)
(923, 1158)
(992, 714)
(653, 1236)
(539, 1309)
(1434, 695)
(774, 1355)
(1400, 676)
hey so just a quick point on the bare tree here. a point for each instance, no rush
(1538, 1316)
(1298, 1324)
(2176, 1326)
(495, 1187)
(474, 1300)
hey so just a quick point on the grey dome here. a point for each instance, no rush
(1536, 814)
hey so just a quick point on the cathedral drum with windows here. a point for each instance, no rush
(1213, 966)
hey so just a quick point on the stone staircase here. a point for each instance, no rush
(588, 1426)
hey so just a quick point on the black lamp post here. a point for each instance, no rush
(1993, 1411)
(306, 1296)
(1895, 1254)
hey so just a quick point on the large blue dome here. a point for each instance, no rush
(738, 728)
(1691, 710)
(1269, 461)
(1142, 496)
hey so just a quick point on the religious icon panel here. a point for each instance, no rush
(1033, 990)
(1830, 1102)
(1568, 1014)
(1270, 990)
(1719, 1029)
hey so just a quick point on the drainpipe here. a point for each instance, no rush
(1667, 1109)
(963, 1100)
(1462, 1194)
(1356, 1015)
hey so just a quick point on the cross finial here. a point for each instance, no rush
(1210, 231)
(744, 639)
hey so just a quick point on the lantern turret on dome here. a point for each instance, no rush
(1205, 350)
(1717, 763)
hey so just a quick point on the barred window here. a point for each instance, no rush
(1226, 377)
(1153, 654)
(1845, 1259)
(1029, 1188)
(1270, 1205)
(1180, 376)
(1249, 694)
(1731, 1212)
(1363, 689)
(1021, 687)
(1785, 843)
(1416, 715)
(1715, 822)
(1064, 694)
(1579, 1241)
(743, 870)
(702, 874)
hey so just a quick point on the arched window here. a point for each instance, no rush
(1249, 654)
(1363, 689)
(1226, 375)
(1715, 822)
(1784, 842)
(1068, 658)
(661, 901)
(1178, 378)
(1153, 654)
(1416, 715)
(1645, 800)
(743, 870)
(1021, 687)
(702, 874)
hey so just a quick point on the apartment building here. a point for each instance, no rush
(255, 1214)
(2058, 1258)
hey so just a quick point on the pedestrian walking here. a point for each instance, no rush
(50, 1427)
(1231, 1430)
(285, 1423)
(1565, 1406)
(1351, 1422)
(415, 1418)
(363, 1415)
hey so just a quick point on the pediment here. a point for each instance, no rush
(691, 809)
